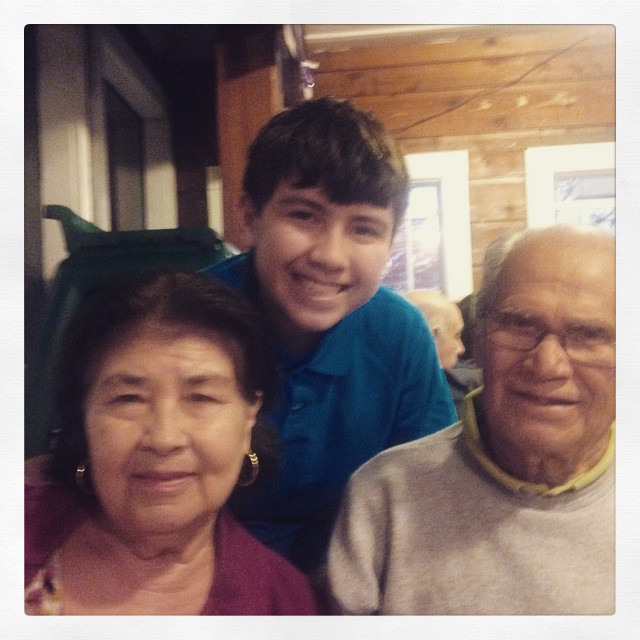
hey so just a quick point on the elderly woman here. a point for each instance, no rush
(161, 388)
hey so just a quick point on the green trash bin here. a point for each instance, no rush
(96, 257)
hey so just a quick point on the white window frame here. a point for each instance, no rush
(541, 165)
(451, 170)
(113, 61)
(72, 130)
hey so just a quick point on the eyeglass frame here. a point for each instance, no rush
(543, 332)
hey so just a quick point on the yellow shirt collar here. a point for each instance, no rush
(477, 448)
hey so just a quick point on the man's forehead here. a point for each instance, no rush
(557, 300)
(583, 265)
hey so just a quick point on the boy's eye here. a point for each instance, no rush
(301, 215)
(367, 230)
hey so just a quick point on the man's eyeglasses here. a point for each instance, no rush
(594, 346)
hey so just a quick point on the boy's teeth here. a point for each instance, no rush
(320, 288)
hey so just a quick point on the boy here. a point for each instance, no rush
(324, 190)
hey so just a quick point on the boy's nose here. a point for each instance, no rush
(330, 249)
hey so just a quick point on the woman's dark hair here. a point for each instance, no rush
(178, 299)
(329, 143)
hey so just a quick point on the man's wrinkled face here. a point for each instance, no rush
(541, 399)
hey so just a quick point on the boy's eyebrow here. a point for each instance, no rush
(310, 202)
(373, 218)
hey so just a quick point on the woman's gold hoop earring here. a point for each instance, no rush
(254, 469)
(82, 478)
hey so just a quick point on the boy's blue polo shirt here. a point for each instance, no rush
(373, 382)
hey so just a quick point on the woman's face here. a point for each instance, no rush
(167, 429)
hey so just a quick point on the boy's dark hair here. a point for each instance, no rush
(177, 299)
(328, 143)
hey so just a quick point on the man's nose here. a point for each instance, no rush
(549, 360)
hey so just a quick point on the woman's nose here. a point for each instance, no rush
(164, 427)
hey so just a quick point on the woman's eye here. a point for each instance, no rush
(203, 398)
(127, 398)
(200, 397)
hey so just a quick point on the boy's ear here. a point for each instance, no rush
(249, 214)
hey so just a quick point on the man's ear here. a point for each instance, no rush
(478, 349)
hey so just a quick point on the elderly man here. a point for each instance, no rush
(512, 510)
(445, 320)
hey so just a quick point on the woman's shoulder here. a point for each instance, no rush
(51, 513)
(36, 471)
(252, 579)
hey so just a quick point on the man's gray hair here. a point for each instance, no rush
(493, 264)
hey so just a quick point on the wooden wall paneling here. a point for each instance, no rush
(574, 104)
(498, 200)
(497, 41)
(480, 73)
(500, 142)
(494, 91)
(246, 99)
(496, 157)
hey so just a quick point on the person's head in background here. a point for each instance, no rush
(467, 308)
(324, 190)
(446, 323)
(494, 253)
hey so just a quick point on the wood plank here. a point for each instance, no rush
(573, 104)
(245, 102)
(506, 202)
(501, 159)
(503, 41)
(487, 73)
(508, 140)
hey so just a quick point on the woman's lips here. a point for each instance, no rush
(163, 480)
